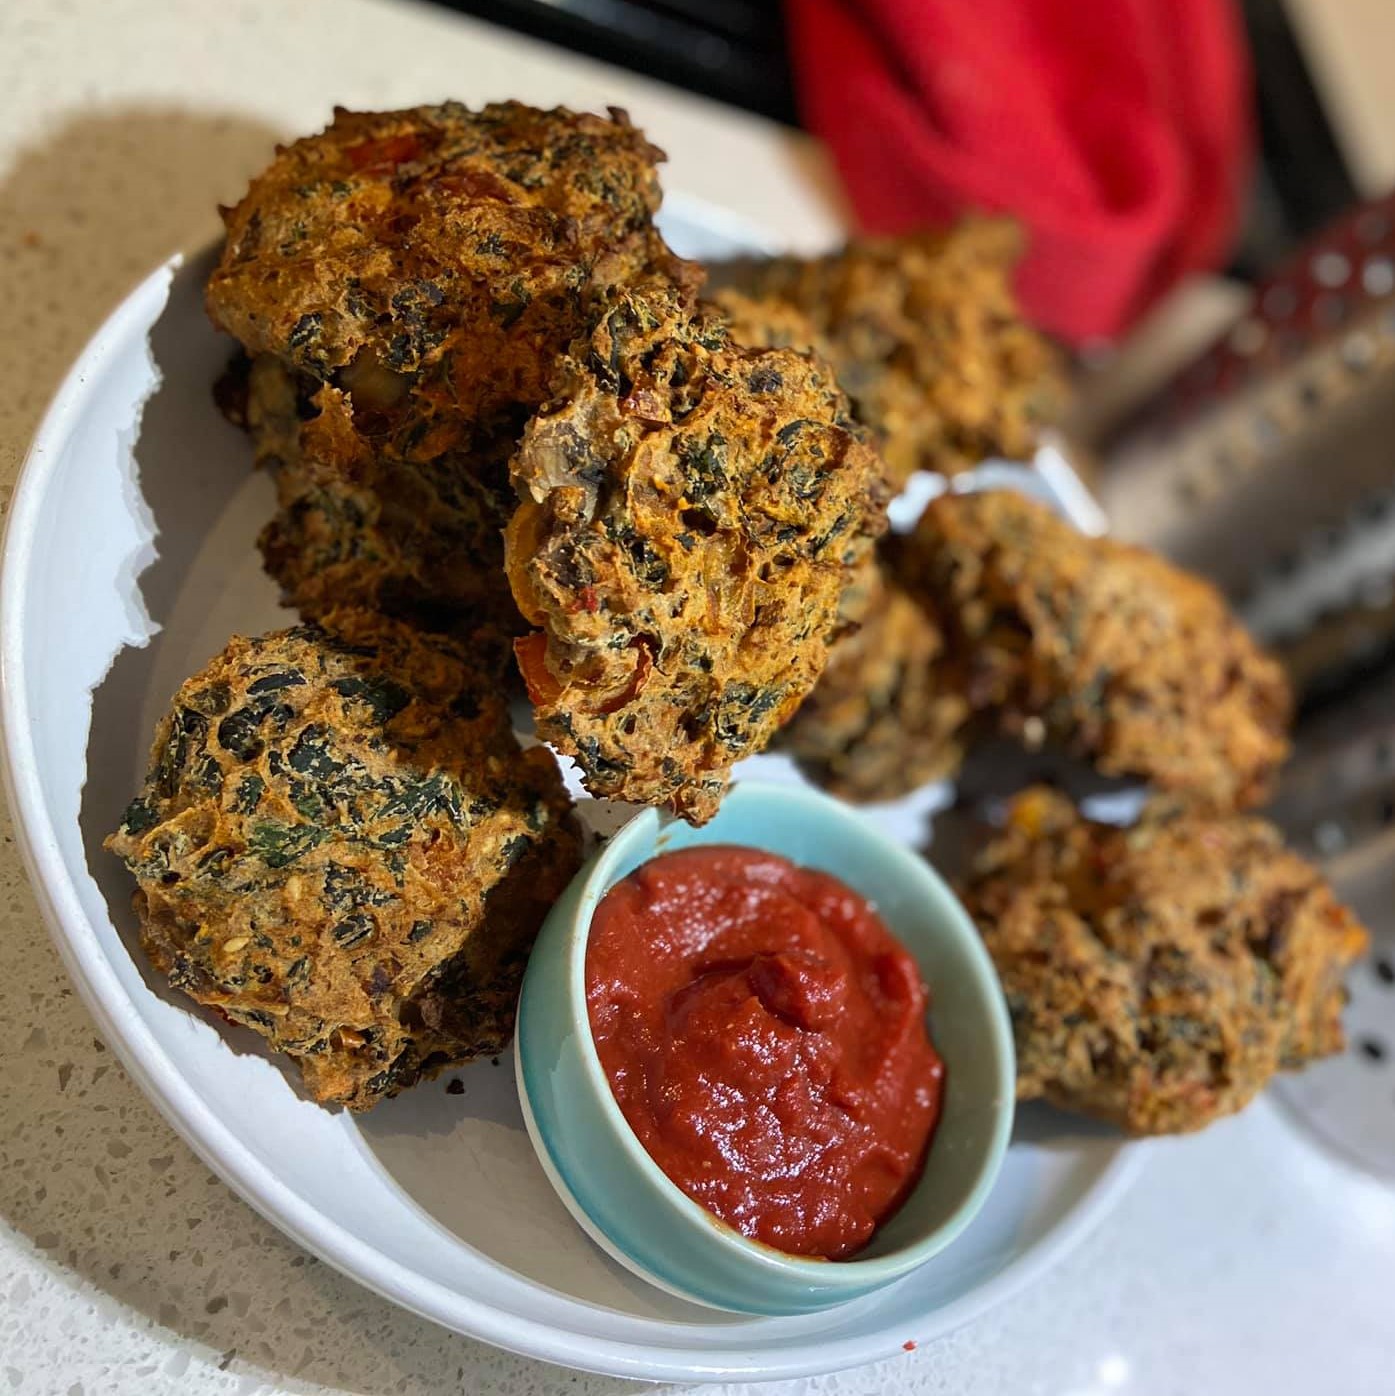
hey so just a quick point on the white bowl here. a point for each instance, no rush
(129, 561)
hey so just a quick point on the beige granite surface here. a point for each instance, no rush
(125, 1267)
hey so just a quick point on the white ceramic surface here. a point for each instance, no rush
(129, 560)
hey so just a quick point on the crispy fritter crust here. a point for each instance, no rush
(406, 282)
(1109, 650)
(691, 515)
(434, 262)
(1159, 976)
(419, 541)
(768, 323)
(881, 721)
(927, 339)
(340, 845)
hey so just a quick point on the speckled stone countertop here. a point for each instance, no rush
(1246, 1260)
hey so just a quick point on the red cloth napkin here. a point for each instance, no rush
(1118, 131)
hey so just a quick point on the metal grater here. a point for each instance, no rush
(1268, 464)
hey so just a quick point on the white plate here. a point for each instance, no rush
(129, 560)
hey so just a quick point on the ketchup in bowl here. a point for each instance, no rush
(764, 1035)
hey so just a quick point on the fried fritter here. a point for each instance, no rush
(420, 541)
(340, 846)
(691, 514)
(405, 283)
(1106, 649)
(926, 337)
(767, 323)
(881, 721)
(433, 263)
(1158, 976)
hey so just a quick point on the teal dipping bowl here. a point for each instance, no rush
(604, 1175)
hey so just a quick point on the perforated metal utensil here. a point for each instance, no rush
(1268, 463)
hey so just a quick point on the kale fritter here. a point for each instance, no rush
(421, 541)
(766, 323)
(881, 720)
(1158, 976)
(926, 337)
(1105, 649)
(691, 513)
(433, 263)
(340, 846)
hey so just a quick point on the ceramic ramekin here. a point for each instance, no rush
(615, 1190)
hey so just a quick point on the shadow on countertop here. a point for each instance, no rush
(89, 1173)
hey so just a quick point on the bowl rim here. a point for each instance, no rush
(597, 877)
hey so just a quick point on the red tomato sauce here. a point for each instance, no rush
(764, 1035)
